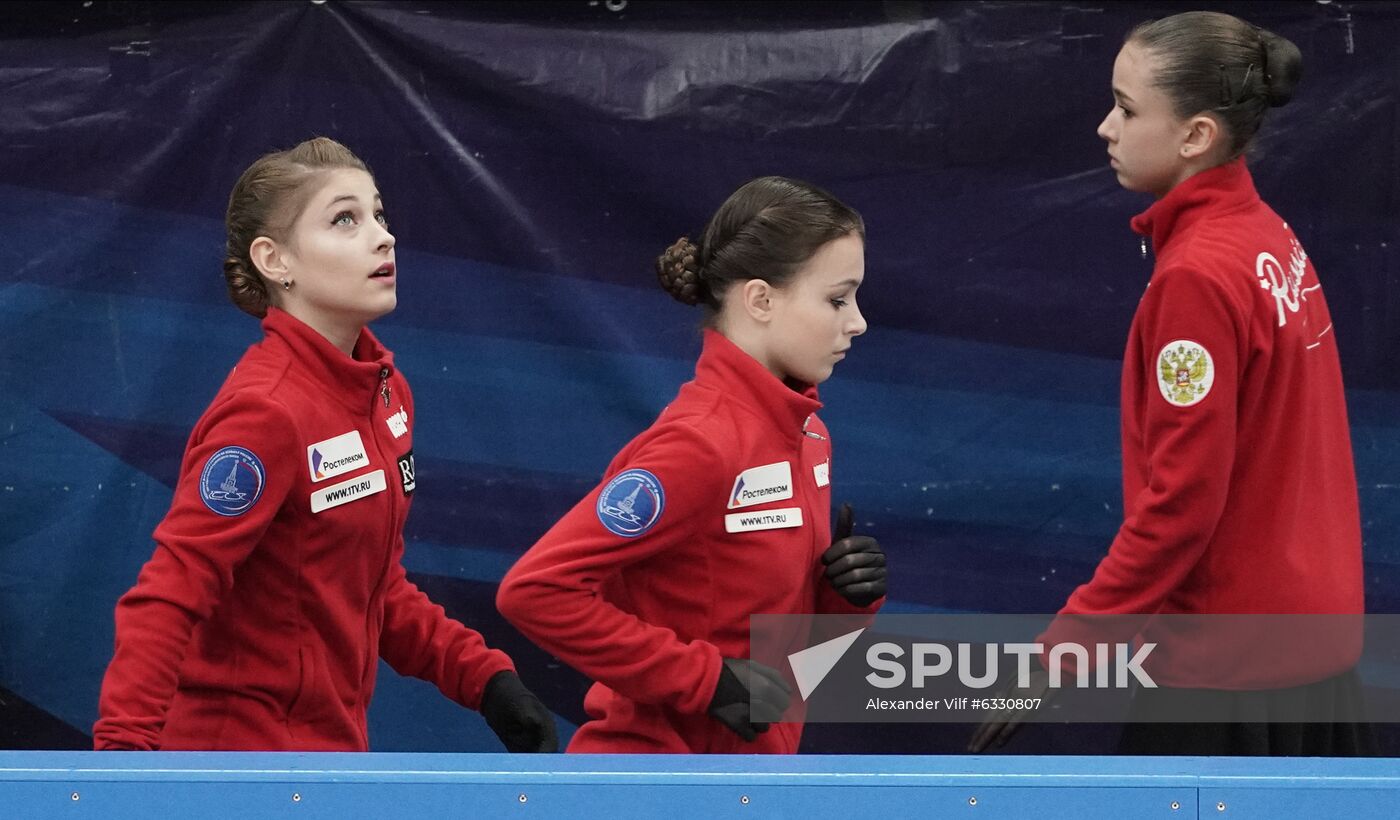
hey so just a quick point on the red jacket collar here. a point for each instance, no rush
(1222, 188)
(725, 367)
(355, 380)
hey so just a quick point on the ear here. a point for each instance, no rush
(270, 260)
(1203, 133)
(757, 298)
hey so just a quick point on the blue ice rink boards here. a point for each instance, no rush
(220, 786)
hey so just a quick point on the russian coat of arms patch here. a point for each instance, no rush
(1185, 372)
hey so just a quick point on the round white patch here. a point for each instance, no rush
(1185, 372)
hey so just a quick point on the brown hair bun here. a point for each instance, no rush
(679, 272)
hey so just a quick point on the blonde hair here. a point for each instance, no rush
(266, 201)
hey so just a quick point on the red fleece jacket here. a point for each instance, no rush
(277, 581)
(1239, 491)
(719, 511)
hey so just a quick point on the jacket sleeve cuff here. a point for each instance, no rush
(699, 698)
(484, 668)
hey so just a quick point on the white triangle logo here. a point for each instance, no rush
(812, 664)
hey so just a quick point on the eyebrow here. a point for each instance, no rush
(350, 197)
(847, 283)
(1121, 95)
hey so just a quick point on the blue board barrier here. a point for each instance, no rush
(224, 786)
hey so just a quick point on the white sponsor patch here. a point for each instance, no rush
(822, 472)
(342, 454)
(1185, 372)
(347, 491)
(398, 423)
(763, 520)
(771, 482)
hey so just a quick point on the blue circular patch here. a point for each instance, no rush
(632, 503)
(232, 481)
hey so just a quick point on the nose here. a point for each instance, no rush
(1105, 130)
(386, 242)
(857, 325)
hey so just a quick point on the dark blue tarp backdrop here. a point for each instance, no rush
(534, 158)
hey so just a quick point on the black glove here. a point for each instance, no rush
(999, 726)
(855, 564)
(519, 719)
(741, 680)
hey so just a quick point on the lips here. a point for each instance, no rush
(385, 270)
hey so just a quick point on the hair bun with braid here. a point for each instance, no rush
(678, 270)
(246, 287)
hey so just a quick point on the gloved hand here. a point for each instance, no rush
(999, 726)
(855, 564)
(519, 719)
(742, 680)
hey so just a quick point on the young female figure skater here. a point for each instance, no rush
(277, 583)
(721, 509)
(1239, 491)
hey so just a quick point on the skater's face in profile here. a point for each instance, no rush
(814, 318)
(1150, 148)
(340, 254)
